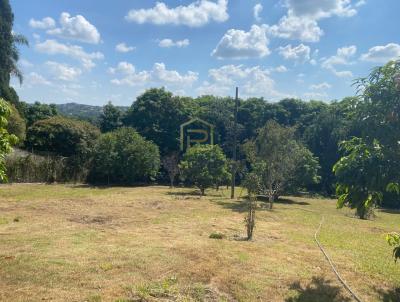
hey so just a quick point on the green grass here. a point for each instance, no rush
(153, 243)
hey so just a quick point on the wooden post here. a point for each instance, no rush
(234, 144)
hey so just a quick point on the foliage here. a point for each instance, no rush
(16, 125)
(252, 184)
(24, 167)
(170, 163)
(205, 166)
(157, 115)
(124, 157)
(111, 118)
(62, 136)
(371, 164)
(394, 240)
(360, 176)
(9, 53)
(6, 139)
(280, 161)
(38, 111)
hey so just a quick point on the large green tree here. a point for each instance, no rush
(9, 53)
(157, 115)
(110, 118)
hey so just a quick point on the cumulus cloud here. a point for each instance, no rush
(196, 14)
(63, 71)
(76, 28)
(239, 44)
(45, 23)
(122, 47)
(167, 43)
(34, 78)
(316, 95)
(254, 81)
(342, 57)
(382, 54)
(257, 11)
(280, 69)
(321, 86)
(52, 47)
(158, 75)
(300, 53)
(301, 20)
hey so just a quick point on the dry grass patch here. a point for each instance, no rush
(152, 244)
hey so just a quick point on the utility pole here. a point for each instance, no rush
(234, 144)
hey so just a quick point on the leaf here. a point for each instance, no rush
(393, 188)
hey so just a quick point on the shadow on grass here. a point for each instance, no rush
(283, 201)
(391, 295)
(318, 290)
(390, 211)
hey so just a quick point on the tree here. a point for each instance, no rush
(111, 118)
(275, 156)
(170, 163)
(9, 54)
(371, 164)
(64, 137)
(360, 176)
(124, 157)
(205, 166)
(157, 115)
(38, 111)
(252, 184)
(6, 140)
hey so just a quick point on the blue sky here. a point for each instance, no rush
(92, 51)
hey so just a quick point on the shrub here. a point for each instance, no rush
(205, 166)
(124, 157)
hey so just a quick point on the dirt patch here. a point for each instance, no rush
(86, 219)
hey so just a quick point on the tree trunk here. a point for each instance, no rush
(271, 201)
(202, 191)
(171, 184)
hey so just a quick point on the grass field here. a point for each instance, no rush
(76, 243)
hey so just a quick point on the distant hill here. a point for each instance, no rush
(84, 112)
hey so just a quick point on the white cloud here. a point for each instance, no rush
(63, 71)
(25, 63)
(295, 28)
(122, 47)
(45, 23)
(196, 14)
(301, 20)
(34, 78)
(253, 82)
(280, 69)
(300, 53)
(167, 43)
(342, 57)
(360, 3)
(52, 47)
(316, 95)
(76, 28)
(238, 44)
(257, 11)
(158, 75)
(321, 86)
(382, 54)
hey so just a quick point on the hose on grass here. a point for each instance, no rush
(352, 293)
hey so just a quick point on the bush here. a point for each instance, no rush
(205, 166)
(124, 157)
(62, 136)
(16, 125)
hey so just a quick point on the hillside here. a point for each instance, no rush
(82, 111)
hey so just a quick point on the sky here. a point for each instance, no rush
(92, 52)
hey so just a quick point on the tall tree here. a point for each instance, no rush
(9, 53)
(111, 118)
(157, 115)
